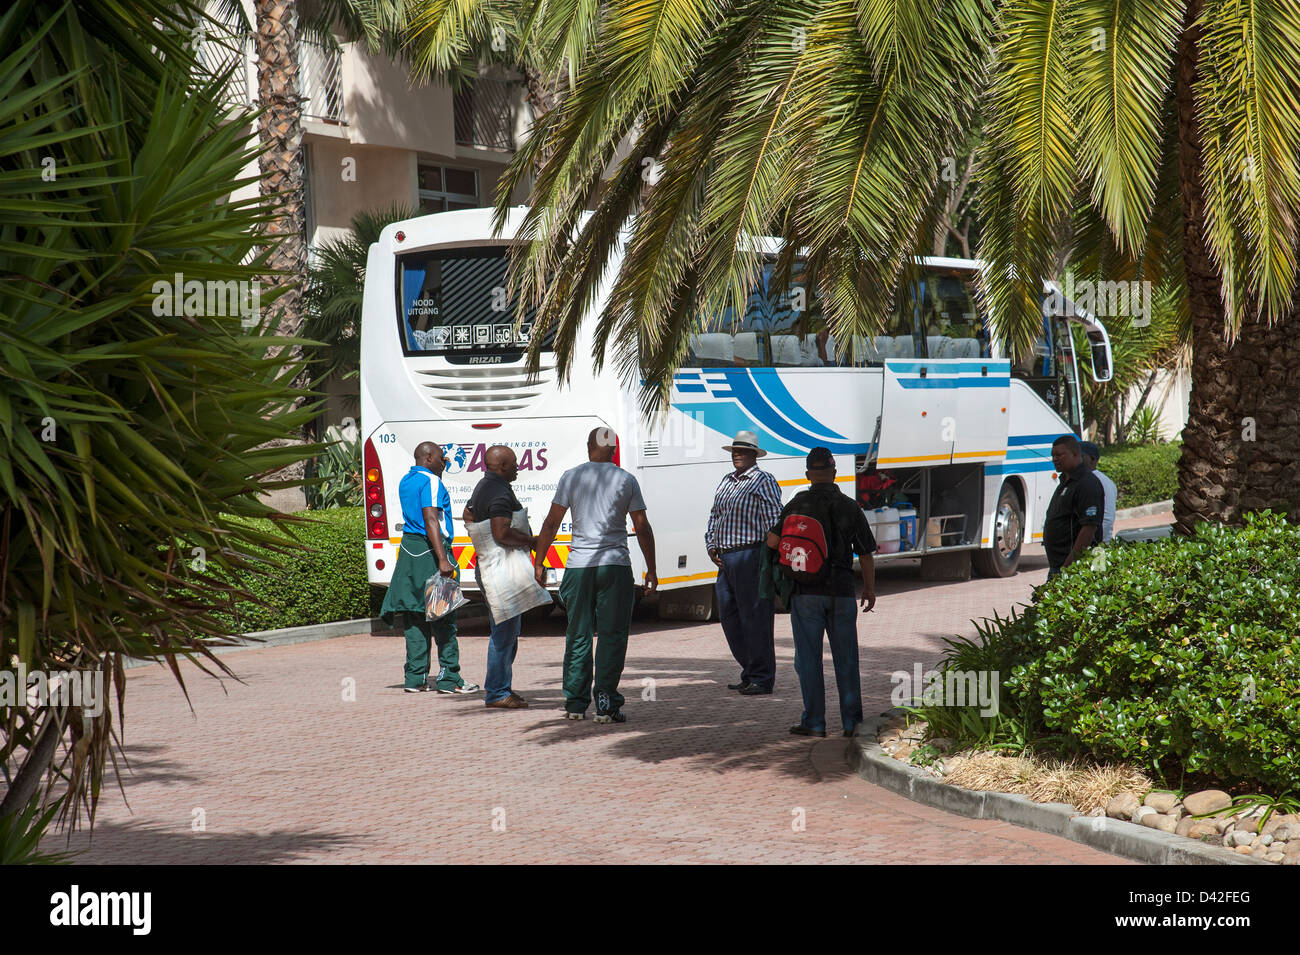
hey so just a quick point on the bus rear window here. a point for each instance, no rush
(454, 301)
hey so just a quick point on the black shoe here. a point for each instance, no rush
(753, 689)
(801, 730)
(612, 716)
(737, 686)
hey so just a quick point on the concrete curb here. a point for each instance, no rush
(290, 635)
(1145, 510)
(311, 633)
(1115, 836)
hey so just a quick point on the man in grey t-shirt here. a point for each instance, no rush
(597, 589)
(1091, 457)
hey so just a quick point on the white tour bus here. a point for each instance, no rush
(944, 439)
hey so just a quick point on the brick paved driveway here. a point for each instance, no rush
(284, 769)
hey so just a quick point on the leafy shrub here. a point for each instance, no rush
(1144, 426)
(21, 834)
(338, 470)
(1142, 475)
(1180, 654)
(324, 581)
(995, 650)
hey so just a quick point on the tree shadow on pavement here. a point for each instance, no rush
(145, 765)
(692, 717)
(135, 843)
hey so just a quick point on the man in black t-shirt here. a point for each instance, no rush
(494, 500)
(1074, 515)
(827, 606)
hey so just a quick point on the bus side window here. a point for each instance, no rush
(900, 337)
(728, 343)
(799, 335)
(952, 322)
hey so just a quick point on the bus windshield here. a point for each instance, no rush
(454, 301)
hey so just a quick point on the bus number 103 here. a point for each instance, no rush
(388, 438)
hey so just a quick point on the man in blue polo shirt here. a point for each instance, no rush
(425, 550)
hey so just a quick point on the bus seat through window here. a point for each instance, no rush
(747, 350)
(712, 349)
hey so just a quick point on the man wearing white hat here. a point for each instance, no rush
(745, 507)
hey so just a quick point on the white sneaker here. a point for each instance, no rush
(572, 716)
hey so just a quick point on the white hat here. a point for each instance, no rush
(745, 441)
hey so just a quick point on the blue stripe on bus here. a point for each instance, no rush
(1013, 453)
(1034, 438)
(975, 382)
(1018, 468)
(950, 366)
(770, 386)
(758, 405)
(690, 388)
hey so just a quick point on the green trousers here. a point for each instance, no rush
(420, 633)
(598, 602)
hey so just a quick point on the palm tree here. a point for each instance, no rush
(1166, 137)
(726, 120)
(1150, 140)
(135, 431)
(332, 300)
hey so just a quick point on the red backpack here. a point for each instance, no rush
(804, 551)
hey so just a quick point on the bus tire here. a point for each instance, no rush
(1003, 556)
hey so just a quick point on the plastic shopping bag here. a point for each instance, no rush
(442, 595)
(506, 573)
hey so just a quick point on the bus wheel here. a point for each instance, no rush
(1003, 557)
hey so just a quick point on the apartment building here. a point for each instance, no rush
(373, 138)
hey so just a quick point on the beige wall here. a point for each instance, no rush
(383, 177)
(383, 109)
(1170, 396)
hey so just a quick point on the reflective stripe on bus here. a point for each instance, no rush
(555, 557)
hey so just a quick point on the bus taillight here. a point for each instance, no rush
(376, 523)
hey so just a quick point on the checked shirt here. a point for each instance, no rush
(745, 507)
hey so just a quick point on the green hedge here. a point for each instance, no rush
(324, 580)
(1143, 474)
(1181, 655)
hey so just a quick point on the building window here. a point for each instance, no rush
(446, 189)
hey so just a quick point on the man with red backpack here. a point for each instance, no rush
(816, 537)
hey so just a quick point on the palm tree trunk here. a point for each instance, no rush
(279, 131)
(1241, 444)
(542, 97)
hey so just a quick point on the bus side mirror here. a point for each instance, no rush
(1101, 370)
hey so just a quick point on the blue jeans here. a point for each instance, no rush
(502, 647)
(810, 617)
(746, 617)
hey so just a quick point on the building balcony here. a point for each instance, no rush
(484, 114)
(320, 81)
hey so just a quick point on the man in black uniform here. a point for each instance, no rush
(1074, 515)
